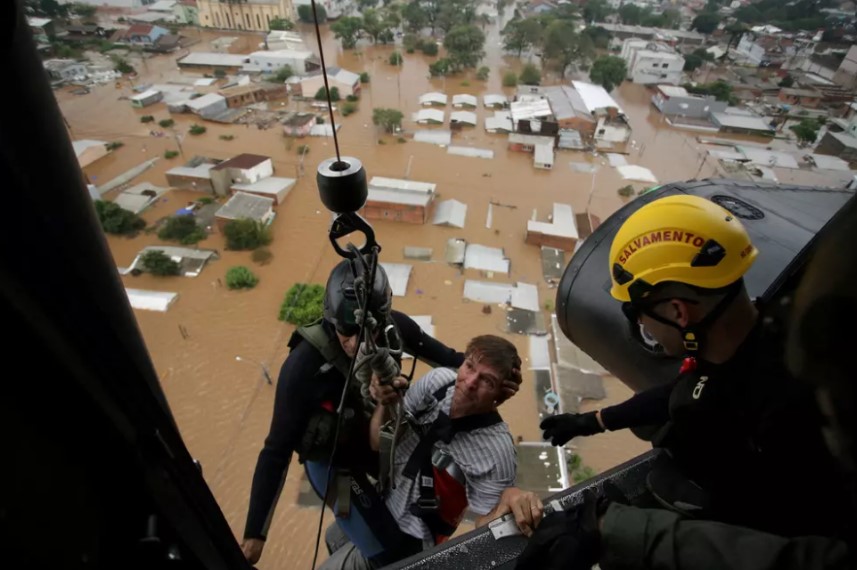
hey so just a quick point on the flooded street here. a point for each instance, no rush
(223, 407)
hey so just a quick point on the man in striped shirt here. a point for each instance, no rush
(453, 417)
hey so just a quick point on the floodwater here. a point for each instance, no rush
(223, 407)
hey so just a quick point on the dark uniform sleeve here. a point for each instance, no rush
(426, 348)
(647, 408)
(291, 412)
(637, 539)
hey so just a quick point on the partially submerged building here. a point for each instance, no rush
(560, 232)
(241, 169)
(243, 206)
(399, 200)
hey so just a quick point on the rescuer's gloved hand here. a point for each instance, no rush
(560, 429)
(567, 540)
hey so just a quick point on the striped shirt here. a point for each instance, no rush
(485, 455)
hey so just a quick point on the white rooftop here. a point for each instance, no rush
(399, 184)
(395, 191)
(150, 300)
(524, 110)
(213, 59)
(742, 122)
(438, 137)
(762, 157)
(485, 258)
(470, 151)
(324, 130)
(144, 95)
(595, 97)
(243, 205)
(429, 115)
(519, 295)
(501, 121)
(635, 172)
(205, 81)
(468, 117)
(563, 223)
(162, 6)
(37, 22)
(450, 213)
(201, 171)
(433, 98)
(269, 185)
(201, 103)
(398, 275)
(464, 99)
(81, 145)
(543, 153)
(672, 91)
(491, 99)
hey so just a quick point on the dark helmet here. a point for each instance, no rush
(340, 297)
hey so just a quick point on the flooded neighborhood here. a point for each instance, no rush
(481, 186)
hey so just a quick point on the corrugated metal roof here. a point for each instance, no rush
(81, 145)
(201, 103)
(242, 161)
(525, 110)
(400, 184)
(270, 185)
(569, 355)
(150, 300)
(616, 159)
(486, 258)
(764, 157)
(324, 130)
(470, 151)
(553, 263)
(562, 223)
(429, 115)
(741, 122)
(543, 153)
(463, 99)
(433, 98)
(519, 295)
(420, 253)
(501, 121)
(455, 248)
(387, 196)
(826, 162)
(398, 275)
(493, 99)
(213, 59)
(569, 138)
(438, 137)
(540, 358)
(243, 205)
(468, 117)
(201, 171)
(145, 95)
(595, 97)
(450, 213)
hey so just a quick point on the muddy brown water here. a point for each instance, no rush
(223, 407)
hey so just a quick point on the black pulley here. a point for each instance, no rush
(342, 184)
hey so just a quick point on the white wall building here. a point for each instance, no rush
(652, 63)
(270, 61)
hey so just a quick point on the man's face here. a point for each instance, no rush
(477, 387)
(348, 343)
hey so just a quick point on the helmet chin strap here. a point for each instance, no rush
(694, 334)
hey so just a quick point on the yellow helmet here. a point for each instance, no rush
(683, 239)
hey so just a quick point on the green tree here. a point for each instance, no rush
(530, 75)
(122, 66)
(464, 45)
(147, 119)
(596, 11)
(219, 73)
(721, 90)
(347, 29)
(692, 62)
(429, 47)
(414, 16)
(748, 14)
(246, 234)
(281, 24)
(168, 154)
(197, 130)
(482, 73)
(321, 94)
(284, 73)
(364, 77)
(630, 14)
(348, 108)
(396, 58)
(454, 13)
(441, 67)
(166, 123)
(305, 14)
(521, 34)
(116, 220)
(388, 119)
(806, 131)
(510, 79)
(159, 263)
(564, 46)
(182, 229)
(240, 277)
(599, 36)
(787, 81)
(303, 304)
(608, 71)
(705, 23)
(626, 191)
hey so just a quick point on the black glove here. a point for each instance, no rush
(566, 540)
(559, 429)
